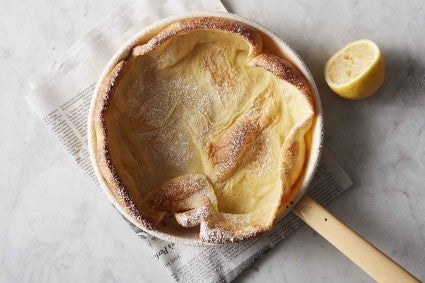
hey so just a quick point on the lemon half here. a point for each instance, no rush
(357, 70)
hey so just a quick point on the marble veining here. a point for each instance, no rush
(55, 226)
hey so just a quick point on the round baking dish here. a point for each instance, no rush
(279, 47)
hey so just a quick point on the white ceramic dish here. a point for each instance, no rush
(184, 235)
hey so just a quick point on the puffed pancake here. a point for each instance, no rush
(203, 126)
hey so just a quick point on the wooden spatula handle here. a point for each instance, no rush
(374, 262)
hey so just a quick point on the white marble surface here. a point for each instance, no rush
(56, 227)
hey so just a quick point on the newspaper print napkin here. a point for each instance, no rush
(61, 98)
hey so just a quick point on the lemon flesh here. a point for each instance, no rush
(357, 70)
